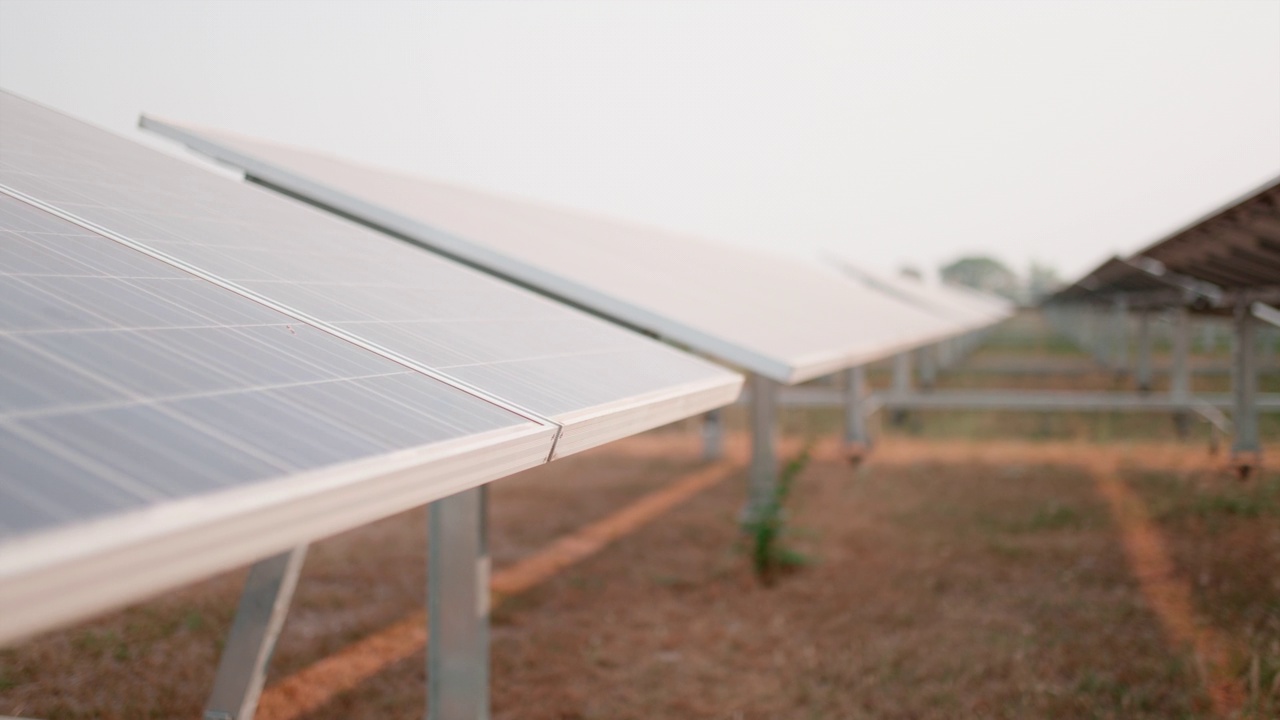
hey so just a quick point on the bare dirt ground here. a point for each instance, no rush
(1075, 567)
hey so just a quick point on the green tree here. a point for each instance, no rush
(983, 273)
(1042, 280)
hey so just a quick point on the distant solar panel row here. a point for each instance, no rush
(1235, 249)
(195, 373)
(968, 309)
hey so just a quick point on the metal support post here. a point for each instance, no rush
(901, 385)
(458, 607)
(857, 433)
(264, 603)
(1180, 379)
(902, 373)
(1245, 447)
(713, 435)
(1120, 334)
(928, 367)
(1096, 338)
(1102, 338)
(947, 351)
(764, 459)
(1144, 352)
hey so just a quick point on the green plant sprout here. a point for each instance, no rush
(769, 556)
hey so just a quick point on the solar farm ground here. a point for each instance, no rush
(983, 565)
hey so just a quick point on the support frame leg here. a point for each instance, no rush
(1180, 376)
(857, 429)
(458, 607)
(901, 386)
(264, 603)
(1143, 374)
(763, 474)
(713, 435)
(1245, 446)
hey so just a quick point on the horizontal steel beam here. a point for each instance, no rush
(1089, 368)
(1031, 400)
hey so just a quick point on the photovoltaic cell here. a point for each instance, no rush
(125, 381)
(764, 313)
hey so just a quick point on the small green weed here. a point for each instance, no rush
(97, 644)
(768, 555)
(1046, 518)
(1174, 498)
(1251, 505)
(1055, 517)
(193, 621)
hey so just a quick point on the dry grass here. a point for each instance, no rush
(945, 587)
(1224, 538)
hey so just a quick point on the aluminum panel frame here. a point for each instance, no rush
(131, 556)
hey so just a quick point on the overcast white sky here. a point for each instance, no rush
(895, 132)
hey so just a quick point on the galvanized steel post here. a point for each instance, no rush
(901, 387)
(1120, 334)
(1245, 446)
(1180, 380)
(928, 367)
(902, 373)
(1143, 375)
(264, 603)
(713, 435)
(857, 433)
(458, 607)
(763, 477)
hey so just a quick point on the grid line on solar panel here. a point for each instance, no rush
(125, 382)
(415, 307)
(269, 303)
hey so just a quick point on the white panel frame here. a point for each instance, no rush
(129, 557)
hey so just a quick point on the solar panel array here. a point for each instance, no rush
(967, 310)
(766, 314)
(1115, 277)
(195, 373)
(1237, 246)
(1230, 255)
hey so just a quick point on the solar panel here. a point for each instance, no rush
(196, 373)
(766, 314)
(128, 386)
(518, 348)
(1234, 247)
(969, 311)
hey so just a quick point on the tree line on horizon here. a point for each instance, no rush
(987, 274)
